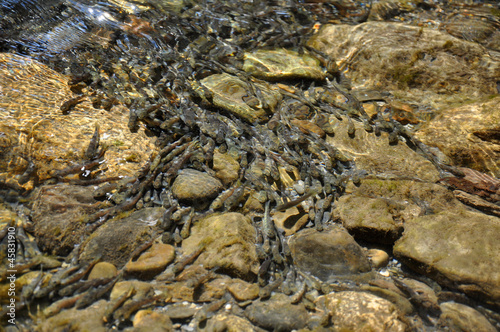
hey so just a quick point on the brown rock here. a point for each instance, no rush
(360, 311)
(378, 258)
(243, 291)
(229, 241)
(103, 270)
(469, 135)
(308, 127)
(459, 317)
(226, 167)
(277, 313)
(32, 95)
(149, 320)
(229, 323)
(153, 261)
(375, 155)
(141, 289)
(458, 248)
(425, 65)
(88, 319)
(290, 220)
(59, 214)
(194, 185)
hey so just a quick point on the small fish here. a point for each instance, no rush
(68, 105)
(294, 202)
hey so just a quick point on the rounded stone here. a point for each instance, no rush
(194, 185)
(103, 270)
(459, 317)
(153, 261)
(243, 291)
(379, 258)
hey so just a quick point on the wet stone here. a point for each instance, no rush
(191, 185)
(103, 270)
(370, 218)
(361, 311)
(282, 64)
(376, 156)
(329, 254)
(232, 94)
(459, 317)
(277, 314)
(381, 219)
(378, 258)
(468, 135)
(226, 167)
(229, 323)
(457, 248)
(59, 214)
(30, 109)
(290, 220)
(149, 320)
(141, 289)
(88, 319)
(116, 240)
(181, 310)
(229, 241)
(425, 65)
(152, 261)
(243, 291)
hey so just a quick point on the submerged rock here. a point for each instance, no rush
(35, 130)
(459, 317)
(59, 215)
(361, 311)
(282, 64)
(116, 240)
(277, 314)
(328, 255)
(231, 94)
(152, 261)
(192, 185)
(423, 64)
(378, 209)
(469, 135)
(229, 244)
(458, 248)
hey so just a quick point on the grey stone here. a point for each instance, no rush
(277, 314)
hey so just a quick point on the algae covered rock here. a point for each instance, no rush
(59, 213)
(229, 244)
(116, 240)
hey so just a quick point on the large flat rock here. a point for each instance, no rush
(458, 248)
(425, 65)
(469, 135)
